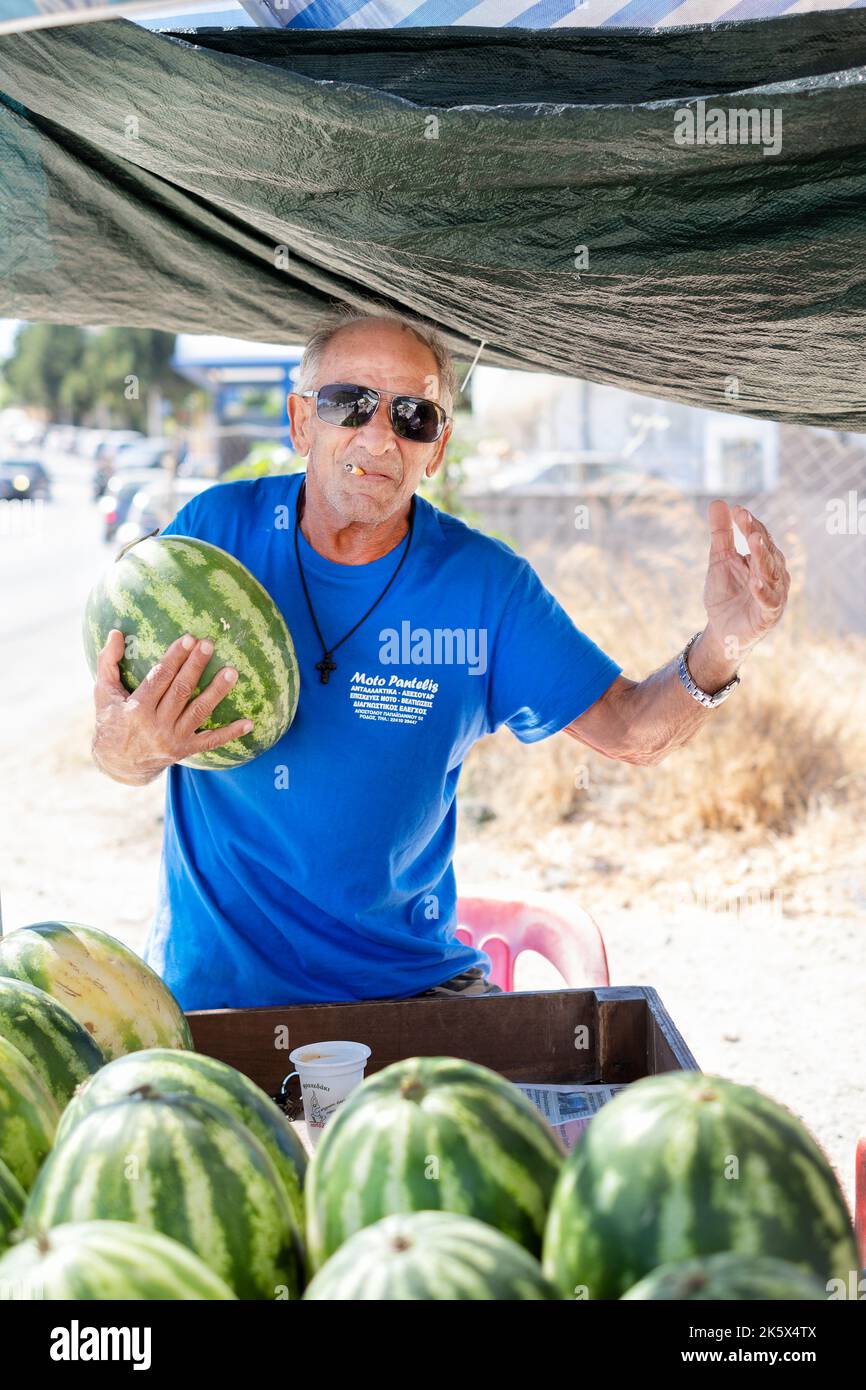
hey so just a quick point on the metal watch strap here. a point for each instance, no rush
(702, 696)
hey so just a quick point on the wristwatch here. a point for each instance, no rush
(703, 698)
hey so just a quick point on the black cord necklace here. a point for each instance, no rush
(327, 664)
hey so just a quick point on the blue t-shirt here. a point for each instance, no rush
(321, 870)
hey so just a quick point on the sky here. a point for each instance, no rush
(7, 333)
(222, 15)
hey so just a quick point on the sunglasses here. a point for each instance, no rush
(412, 417)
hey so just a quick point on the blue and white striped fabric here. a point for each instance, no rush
(388, 14)
(530, 14)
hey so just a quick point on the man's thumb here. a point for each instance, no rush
(108, 682)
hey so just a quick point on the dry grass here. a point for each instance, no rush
(782, 760)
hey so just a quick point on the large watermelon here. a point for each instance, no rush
(185, 1167)
(29, 1115)
(122, 1003)
(432, 1133)
(50, 1037)
(165, 586)
(729, 1277)
(106, 1260)
(430, 1255)
(169, 1071)
(685, 1164)
(12, 1199)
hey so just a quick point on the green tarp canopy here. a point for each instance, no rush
(530, 190)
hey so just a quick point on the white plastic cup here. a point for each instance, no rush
(328, 1073)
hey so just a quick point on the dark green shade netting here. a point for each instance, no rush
(522, 188)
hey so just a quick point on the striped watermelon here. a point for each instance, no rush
(685, 1164)
(12, 1199)
(29, 1115)
(429, 1255)
(165, 586)
(185, 1167)
(168, 1071)
(52, 1040)
(729, 1277)
(106, 1260)
(432, 1133)
(122, 1003)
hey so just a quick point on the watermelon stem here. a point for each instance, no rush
(120, 554)
(412, 1089)
(146, 1091)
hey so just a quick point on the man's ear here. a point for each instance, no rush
(436, 462)
(300, 418)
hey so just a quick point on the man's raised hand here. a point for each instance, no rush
(137, 735)
(744, 595)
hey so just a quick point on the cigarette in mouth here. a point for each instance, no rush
(353, 468)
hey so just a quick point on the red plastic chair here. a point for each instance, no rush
(505, 929)
(860, 1200)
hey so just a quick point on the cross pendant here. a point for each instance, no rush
(325, 667)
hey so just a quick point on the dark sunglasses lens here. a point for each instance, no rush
(416, 419)
(346, 405)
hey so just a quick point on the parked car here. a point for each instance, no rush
(155, 505)
(29, 434)
(116, 441)
(86, 441)
(89, 443)
(566, 475)
(25, 480)
(151, 453)
(107, 454)
(53, 441)
(119, 494)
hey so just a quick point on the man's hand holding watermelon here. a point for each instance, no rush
(138, 735)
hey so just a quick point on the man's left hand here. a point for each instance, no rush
(744, 595)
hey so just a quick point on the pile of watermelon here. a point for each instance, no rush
(132, 1167)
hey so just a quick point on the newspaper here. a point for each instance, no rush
(569, 1108)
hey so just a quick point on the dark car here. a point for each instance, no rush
(24, 480)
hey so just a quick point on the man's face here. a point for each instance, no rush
(388, 358)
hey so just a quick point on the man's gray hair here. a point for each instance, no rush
(343, 317)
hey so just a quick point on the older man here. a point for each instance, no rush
(322, 870)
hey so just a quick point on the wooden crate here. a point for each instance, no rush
(578, 1035)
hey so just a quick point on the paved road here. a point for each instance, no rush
(49, 558)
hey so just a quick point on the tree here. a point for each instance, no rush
(42, 357)
(109, 376)
(129, 373)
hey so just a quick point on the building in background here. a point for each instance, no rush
(531, 424)
(247, 383)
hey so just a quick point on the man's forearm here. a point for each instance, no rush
(661, 714)
(641, 722)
